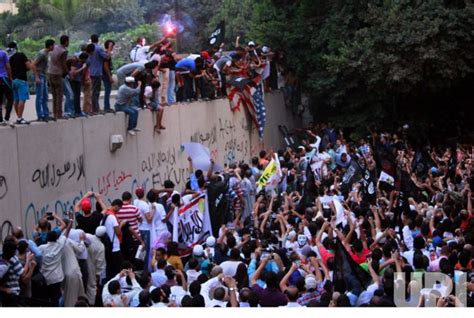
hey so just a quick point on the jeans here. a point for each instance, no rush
(96, 83)
(69, 97)
(6, 91)
(57, 89)
(76, 88)
(172, 87)
(107, 91)
(132, 113)
(145, 235)
(42, 110)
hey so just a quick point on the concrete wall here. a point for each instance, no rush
(49, 166)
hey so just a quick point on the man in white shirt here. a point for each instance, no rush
(158, 277)
(114, 258)
(145, 226)
(95, 262)
(112, 294)
(51, 265)
(139, 53)
(229, 268)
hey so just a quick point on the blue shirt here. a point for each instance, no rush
(96, 61)
(188, 64)
(3, 63)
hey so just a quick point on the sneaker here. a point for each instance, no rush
(131, 132)
(21, 121)
(82, 114)
(51, 118)
(136, 129)
(109, 111)
(3, 124)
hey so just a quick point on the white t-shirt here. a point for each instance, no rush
(139, 54)
(158, 218)
(143, 208)
(229, 268)
(110, 223)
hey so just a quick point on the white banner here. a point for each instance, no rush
(385, 177)
(271, 176)
(191, 224)
(200, 155)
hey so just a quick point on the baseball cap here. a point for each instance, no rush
(310, 282)
(265, 49)
(130, 79)
(86, 205)
(251, 43)
(205, 55)
(198, 250)
(140, 192)
(100, 231)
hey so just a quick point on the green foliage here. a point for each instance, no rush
(375, 61)
(124, 43)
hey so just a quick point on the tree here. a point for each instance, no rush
(108, 15)
(376, 61)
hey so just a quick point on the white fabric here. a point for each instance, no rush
(51, 261)
(139, 54)
(229, 268)
(144, 208)
(110, 223)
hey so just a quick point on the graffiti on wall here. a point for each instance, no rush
(52, 175)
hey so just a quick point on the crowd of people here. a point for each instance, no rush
(348, 224)
(155, 77)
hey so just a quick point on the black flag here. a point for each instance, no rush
(347, 274)
(218, 35)
(354, 173)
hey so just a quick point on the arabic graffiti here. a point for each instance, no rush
(3, 187)
(159, 159)
(52, 175)
(113, 180)
(208, 138)
(5, 230)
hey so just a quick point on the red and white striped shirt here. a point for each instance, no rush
(129, 213)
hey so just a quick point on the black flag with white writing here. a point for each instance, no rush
(218, 35)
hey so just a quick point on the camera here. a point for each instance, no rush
(49, 216)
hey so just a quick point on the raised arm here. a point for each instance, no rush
(259, 271)
(286, 278)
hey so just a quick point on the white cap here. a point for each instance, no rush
(198, 250)
(251, 43)
(310, 282)
(130, 79)
(292, 234)
(265, 49)
(211, 241)
(100, 231)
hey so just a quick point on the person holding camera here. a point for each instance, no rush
(88, 221)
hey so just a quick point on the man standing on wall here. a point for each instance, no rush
(41, 66)
(57, 69)
(96, 69)
(20, 65)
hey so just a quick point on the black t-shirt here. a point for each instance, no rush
(88, 223)
(18, 65)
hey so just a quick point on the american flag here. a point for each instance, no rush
(251, 97)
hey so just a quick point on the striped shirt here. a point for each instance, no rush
(130, 214)
(13, 275)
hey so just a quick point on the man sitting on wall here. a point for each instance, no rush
(128, 102)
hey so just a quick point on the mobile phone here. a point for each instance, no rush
(49, 216)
